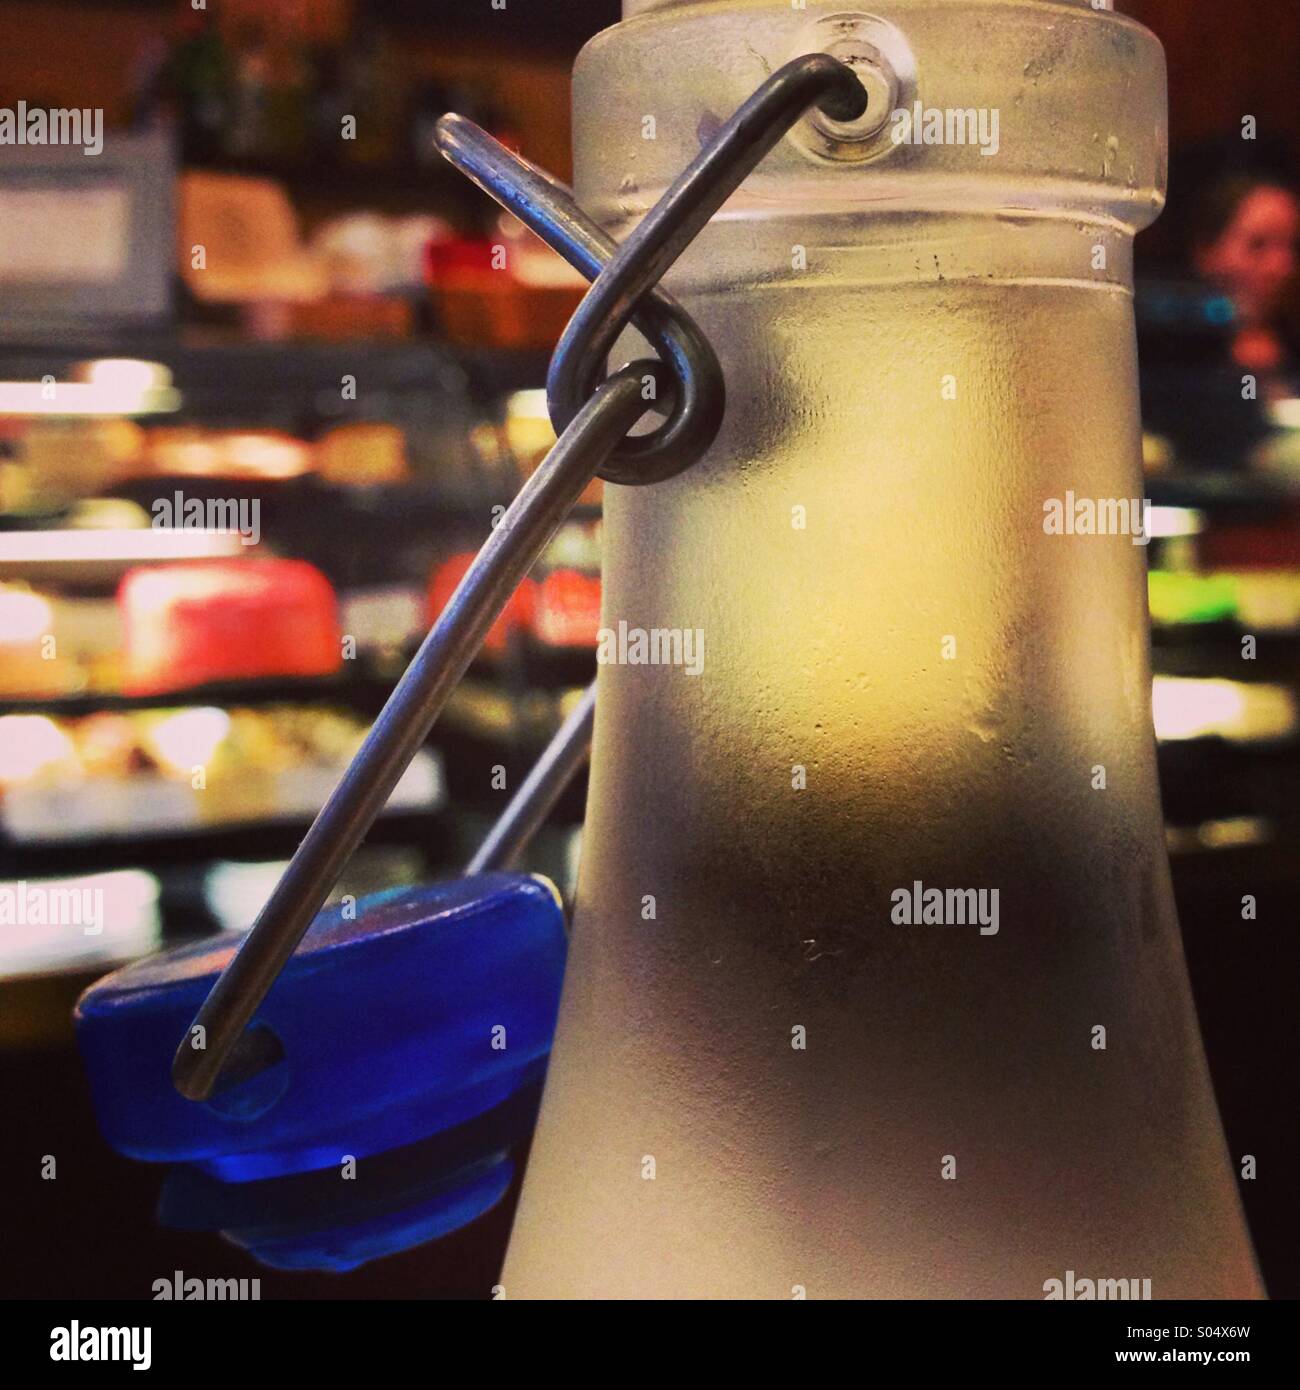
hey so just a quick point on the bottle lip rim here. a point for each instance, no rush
(632, 9)
(1048, 154)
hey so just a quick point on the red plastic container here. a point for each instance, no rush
(226, 620)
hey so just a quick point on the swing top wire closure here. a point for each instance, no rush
(592, 418)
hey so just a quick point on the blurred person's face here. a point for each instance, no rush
(1255, 258)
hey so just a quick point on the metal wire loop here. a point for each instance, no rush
(697, 391)
(625, 286)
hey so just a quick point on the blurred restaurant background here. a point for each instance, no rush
(264, 379)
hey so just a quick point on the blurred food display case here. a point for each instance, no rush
(215, 558)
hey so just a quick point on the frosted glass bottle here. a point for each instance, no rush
(762, 1082)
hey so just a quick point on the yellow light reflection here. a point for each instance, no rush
(1232, 710)
(189, 738)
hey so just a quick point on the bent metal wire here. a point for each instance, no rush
(539, 791)
(592, 422)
